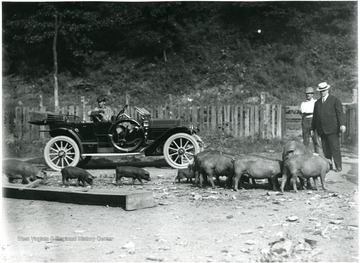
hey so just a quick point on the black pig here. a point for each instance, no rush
(71, 172)
(131, 172)
(305, 166)
(15, 169)
(216, 165)
(258, 168)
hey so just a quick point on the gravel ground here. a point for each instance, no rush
(189, 224)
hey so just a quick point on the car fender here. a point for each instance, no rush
(70, 133)
(162, 139)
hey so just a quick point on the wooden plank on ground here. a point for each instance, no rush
(127, 200)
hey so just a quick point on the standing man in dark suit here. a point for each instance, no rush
(329, 121)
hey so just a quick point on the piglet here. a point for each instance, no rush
(187, 173)
(131, 172)
(70, 172)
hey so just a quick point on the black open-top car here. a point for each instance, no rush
(73, 142)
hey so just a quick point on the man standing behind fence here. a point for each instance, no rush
(329, 121)
(307, 109)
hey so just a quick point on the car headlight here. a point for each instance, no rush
(146, 123)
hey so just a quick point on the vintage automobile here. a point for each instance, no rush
(74, 142)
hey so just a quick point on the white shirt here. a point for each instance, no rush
(324, 98)
(308, 107)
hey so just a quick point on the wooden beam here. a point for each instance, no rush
(127, 200)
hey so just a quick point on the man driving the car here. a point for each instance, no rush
(101, 113)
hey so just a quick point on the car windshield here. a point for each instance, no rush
(142, 112)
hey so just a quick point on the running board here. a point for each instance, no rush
(110, 154)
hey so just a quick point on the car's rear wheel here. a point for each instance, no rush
(179, 150)
(61, 151)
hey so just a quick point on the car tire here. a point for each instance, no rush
(179, 150)
(61, 151)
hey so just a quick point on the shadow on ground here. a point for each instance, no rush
(103, 163)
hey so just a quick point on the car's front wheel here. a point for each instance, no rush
(179, 150)
(61, 151)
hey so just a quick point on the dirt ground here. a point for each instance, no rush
(190, 224)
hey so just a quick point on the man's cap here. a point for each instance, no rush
(323, 86)
(101, 98)
(309, 90)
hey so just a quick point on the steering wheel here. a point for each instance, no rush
(125, 140)
(121, 112)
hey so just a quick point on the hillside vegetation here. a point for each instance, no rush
(210, 52)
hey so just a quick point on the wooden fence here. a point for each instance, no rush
(241, 121)
(264, 121)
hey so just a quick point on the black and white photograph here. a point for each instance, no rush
(179, 131)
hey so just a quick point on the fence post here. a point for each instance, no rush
(83, 104)
(241, 121)
(355, 96)
(247, 121)
(127, 99)
(201, 118)
(256, 117)
(42, 127)
(227, 119)
(278, 121)
(273, 108)
(267, 121)
(219, 117)
(27, 131)
(213, 118)
(235, 120)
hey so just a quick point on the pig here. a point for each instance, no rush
(187, 173)
(27, 172)
(294, 148)
(131, 172)
(198, 165)
(305, 166)
(216, 165)
(257, 167)
(197, 162)
(71, 172)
